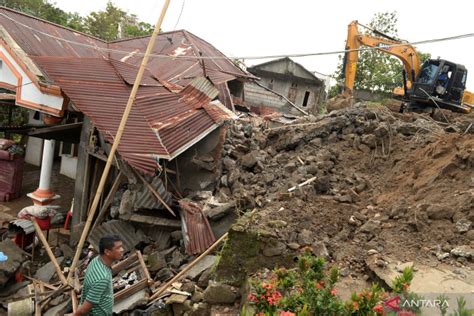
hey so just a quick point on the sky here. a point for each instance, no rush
(275, 27)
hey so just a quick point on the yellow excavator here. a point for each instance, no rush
(437, 83)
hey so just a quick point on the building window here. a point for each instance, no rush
(306, 98)
(270, 84)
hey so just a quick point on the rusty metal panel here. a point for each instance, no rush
(27, 31)
(166, 123)
(198, 233)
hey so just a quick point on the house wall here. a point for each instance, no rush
(68, 166)
(259, 97)
(194, 177)
(34, 145)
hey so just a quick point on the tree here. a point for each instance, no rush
(111, 24)
(378, 71)
(114, 23)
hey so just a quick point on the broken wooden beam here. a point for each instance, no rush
(156, 221)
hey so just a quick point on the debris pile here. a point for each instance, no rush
(359, 182)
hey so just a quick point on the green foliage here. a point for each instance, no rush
(377, 71)
(402, 282)
(110, 24)
(461, 309)
(443, 308)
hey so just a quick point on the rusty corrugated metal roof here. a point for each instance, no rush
(198, 233)
(166, 123)
(20, 26)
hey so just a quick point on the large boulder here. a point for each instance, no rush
(218, 293)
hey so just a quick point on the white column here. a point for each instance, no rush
(47, 165)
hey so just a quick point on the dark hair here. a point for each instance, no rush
(108, 242)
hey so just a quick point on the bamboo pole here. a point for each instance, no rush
(118, 136)
(40, 234)
(157, 294)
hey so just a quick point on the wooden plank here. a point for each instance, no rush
(144, 268)
(153, 220)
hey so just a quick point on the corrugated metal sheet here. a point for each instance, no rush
(27, 32)
(37, 44)
(127, 233)
(146, 199)
(180, 44)
(166, 123)
(24, 224)
(198, 232)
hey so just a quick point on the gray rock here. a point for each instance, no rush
(369, 140)
(200, 267)
(14, 261)
(463, 251)
(177, 259)
(305, 237)
(203, 281)
(273, 248)
(293, 246)
(164, 274)
(68, 252)
(46, 272)
(156, 261)
(370, 227)
(181, 309)
(439, 212)
(217, 293)
(229, 163)
(197, 297)
(463, 225)
(200, 309)
(320, 250)
(249, 160)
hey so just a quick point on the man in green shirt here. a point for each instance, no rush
(97, 291)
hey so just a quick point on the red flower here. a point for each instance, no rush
(252, 298)
(285, 313)
(355, 306)
(334, 292)
(378, 309)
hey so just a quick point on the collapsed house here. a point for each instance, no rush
(76, 87)
(285, 86)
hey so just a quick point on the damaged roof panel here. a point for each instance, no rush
(29, 32)
(166, 124)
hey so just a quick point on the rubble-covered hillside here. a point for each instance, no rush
(379, 184)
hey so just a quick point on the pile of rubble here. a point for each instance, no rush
(359, 184)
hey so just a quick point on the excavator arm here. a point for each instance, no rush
(405, 52)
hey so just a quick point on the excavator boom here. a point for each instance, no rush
(405, 52)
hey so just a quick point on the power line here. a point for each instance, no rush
(180, 13)
(337, 52)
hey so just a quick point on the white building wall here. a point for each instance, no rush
(68, 166)
(34, 146)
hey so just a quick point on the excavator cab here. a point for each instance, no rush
(440, 83)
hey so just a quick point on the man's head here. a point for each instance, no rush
(111, 246)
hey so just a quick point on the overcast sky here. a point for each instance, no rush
(273, 27)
